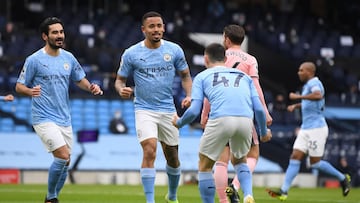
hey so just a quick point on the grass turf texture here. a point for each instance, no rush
(134, 194)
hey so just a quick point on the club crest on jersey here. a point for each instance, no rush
(66, 66)
(167, 57)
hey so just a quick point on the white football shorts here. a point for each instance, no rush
(151, 124)
(54, 136)
(312, 141)
(235, 130)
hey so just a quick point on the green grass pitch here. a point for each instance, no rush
(134, 194)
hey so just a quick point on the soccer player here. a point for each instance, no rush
(8, 97)
(313, 132)
(234, 101)
(233, 36)
(45, 77)
(153, 63)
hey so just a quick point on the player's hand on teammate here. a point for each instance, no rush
(174, 120)
(95, 89)
(267, 137)
(126, 92)
(186, 102)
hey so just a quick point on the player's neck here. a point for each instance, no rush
(152, 45)
(216, 64)
(235, 46)
(51, 51)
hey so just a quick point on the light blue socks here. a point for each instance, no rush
(291, 172)
(245, 178)
(56, 177)
(148, 182)
(174, 177)
(206, 187)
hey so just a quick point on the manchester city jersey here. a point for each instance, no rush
(53, 74)
(153, 71)
(312, 110)
(229, 92)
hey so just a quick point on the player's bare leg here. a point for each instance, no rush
(173, 171)
(221, 174)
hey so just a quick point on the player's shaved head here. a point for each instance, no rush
(309, 66)
(306, 71)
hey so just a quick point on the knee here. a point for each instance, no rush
(254, 152)
(149, 154)
(173, 161)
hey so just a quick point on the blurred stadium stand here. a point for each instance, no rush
(281, 34)
(124, 152)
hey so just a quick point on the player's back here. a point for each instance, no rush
(237, 58)
(228, 91)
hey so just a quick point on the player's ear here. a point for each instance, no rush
(206, 60)
(44, 36)
(143, 29)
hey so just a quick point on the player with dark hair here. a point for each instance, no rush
(233, 37)
(234, 101)
(45, 77)
(153, 63)
(312, 135)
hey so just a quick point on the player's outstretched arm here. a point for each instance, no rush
(8, 97)
(190, 114)
(84, 84)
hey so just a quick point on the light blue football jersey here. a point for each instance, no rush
(229, 92)
(153, 71)
(313, 110)
(53, 74)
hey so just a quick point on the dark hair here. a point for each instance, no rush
(149, 15)
(235, 33)
(215, 52)
(44, 26)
